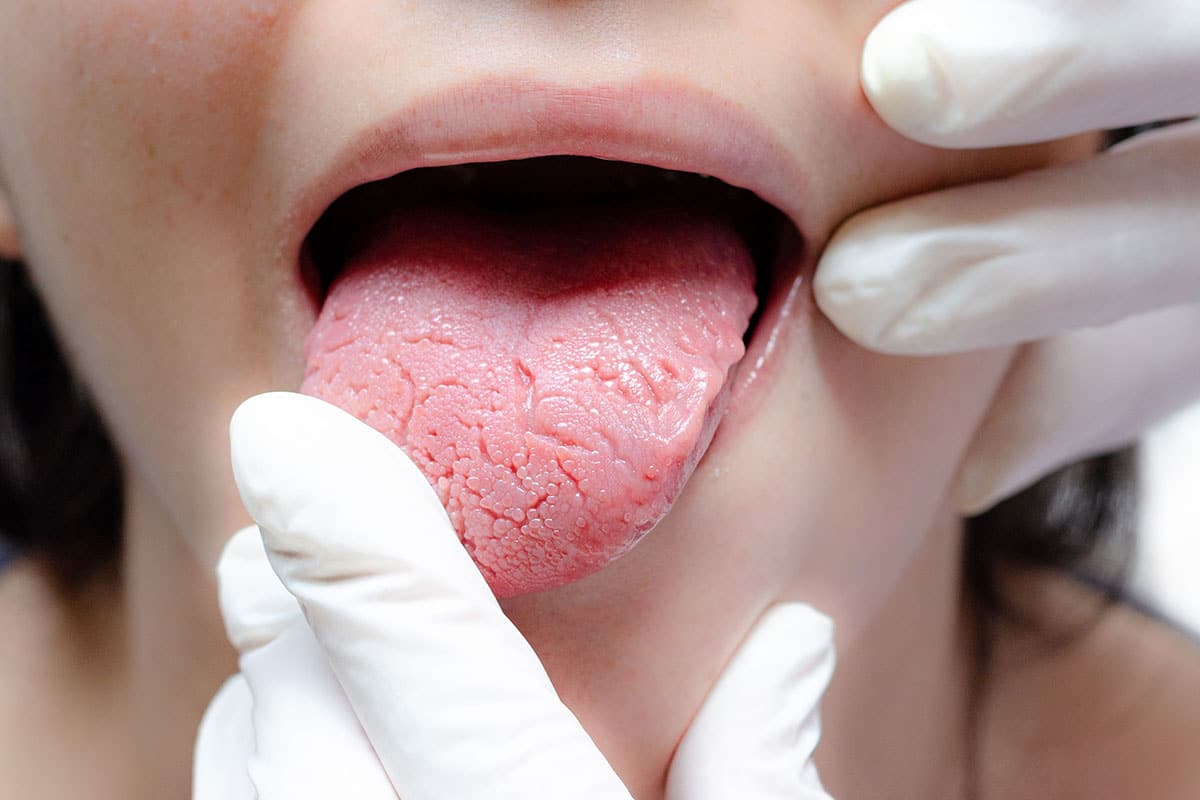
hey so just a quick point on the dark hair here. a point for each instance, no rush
(61, 498)
(1078, 520)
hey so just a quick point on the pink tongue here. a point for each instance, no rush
(557, 375)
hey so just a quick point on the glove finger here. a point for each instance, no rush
(1023, 258)
(755, 735)
(957, 74)
(1078, 395)
(452, 697)
(254, 604)
(309, 744)
(224, 745)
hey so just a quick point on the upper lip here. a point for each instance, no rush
(659, 124)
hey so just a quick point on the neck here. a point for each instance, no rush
(903, 687)
(178, 655)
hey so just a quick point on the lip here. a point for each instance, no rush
(660, 124)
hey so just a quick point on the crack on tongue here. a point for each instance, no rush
(556, 375)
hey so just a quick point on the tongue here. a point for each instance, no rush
(556, 375)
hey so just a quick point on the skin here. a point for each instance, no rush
(145, 173)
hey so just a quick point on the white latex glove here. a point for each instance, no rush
(1035, 256)
(403, 678)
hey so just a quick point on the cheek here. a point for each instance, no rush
(128, 157)
(137, 133)
(119, 109)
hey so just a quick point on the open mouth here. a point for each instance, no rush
(551, 340)
(527, 185)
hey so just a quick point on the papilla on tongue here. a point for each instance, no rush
(556, 374)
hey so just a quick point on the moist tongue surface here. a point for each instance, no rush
(556, 374)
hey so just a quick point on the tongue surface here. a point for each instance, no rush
(556, 375)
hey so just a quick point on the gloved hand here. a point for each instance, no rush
(403, 678)
(1035, 256)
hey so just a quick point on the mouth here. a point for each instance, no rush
(551, 313)
(552, 340)
(525, 186)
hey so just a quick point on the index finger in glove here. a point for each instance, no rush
(1022, 258)
(982, 74)
(452, 698)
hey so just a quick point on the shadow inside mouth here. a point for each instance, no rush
(529, 186)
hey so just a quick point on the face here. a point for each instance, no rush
(165, 164)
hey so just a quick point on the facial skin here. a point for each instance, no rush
(150, 153)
